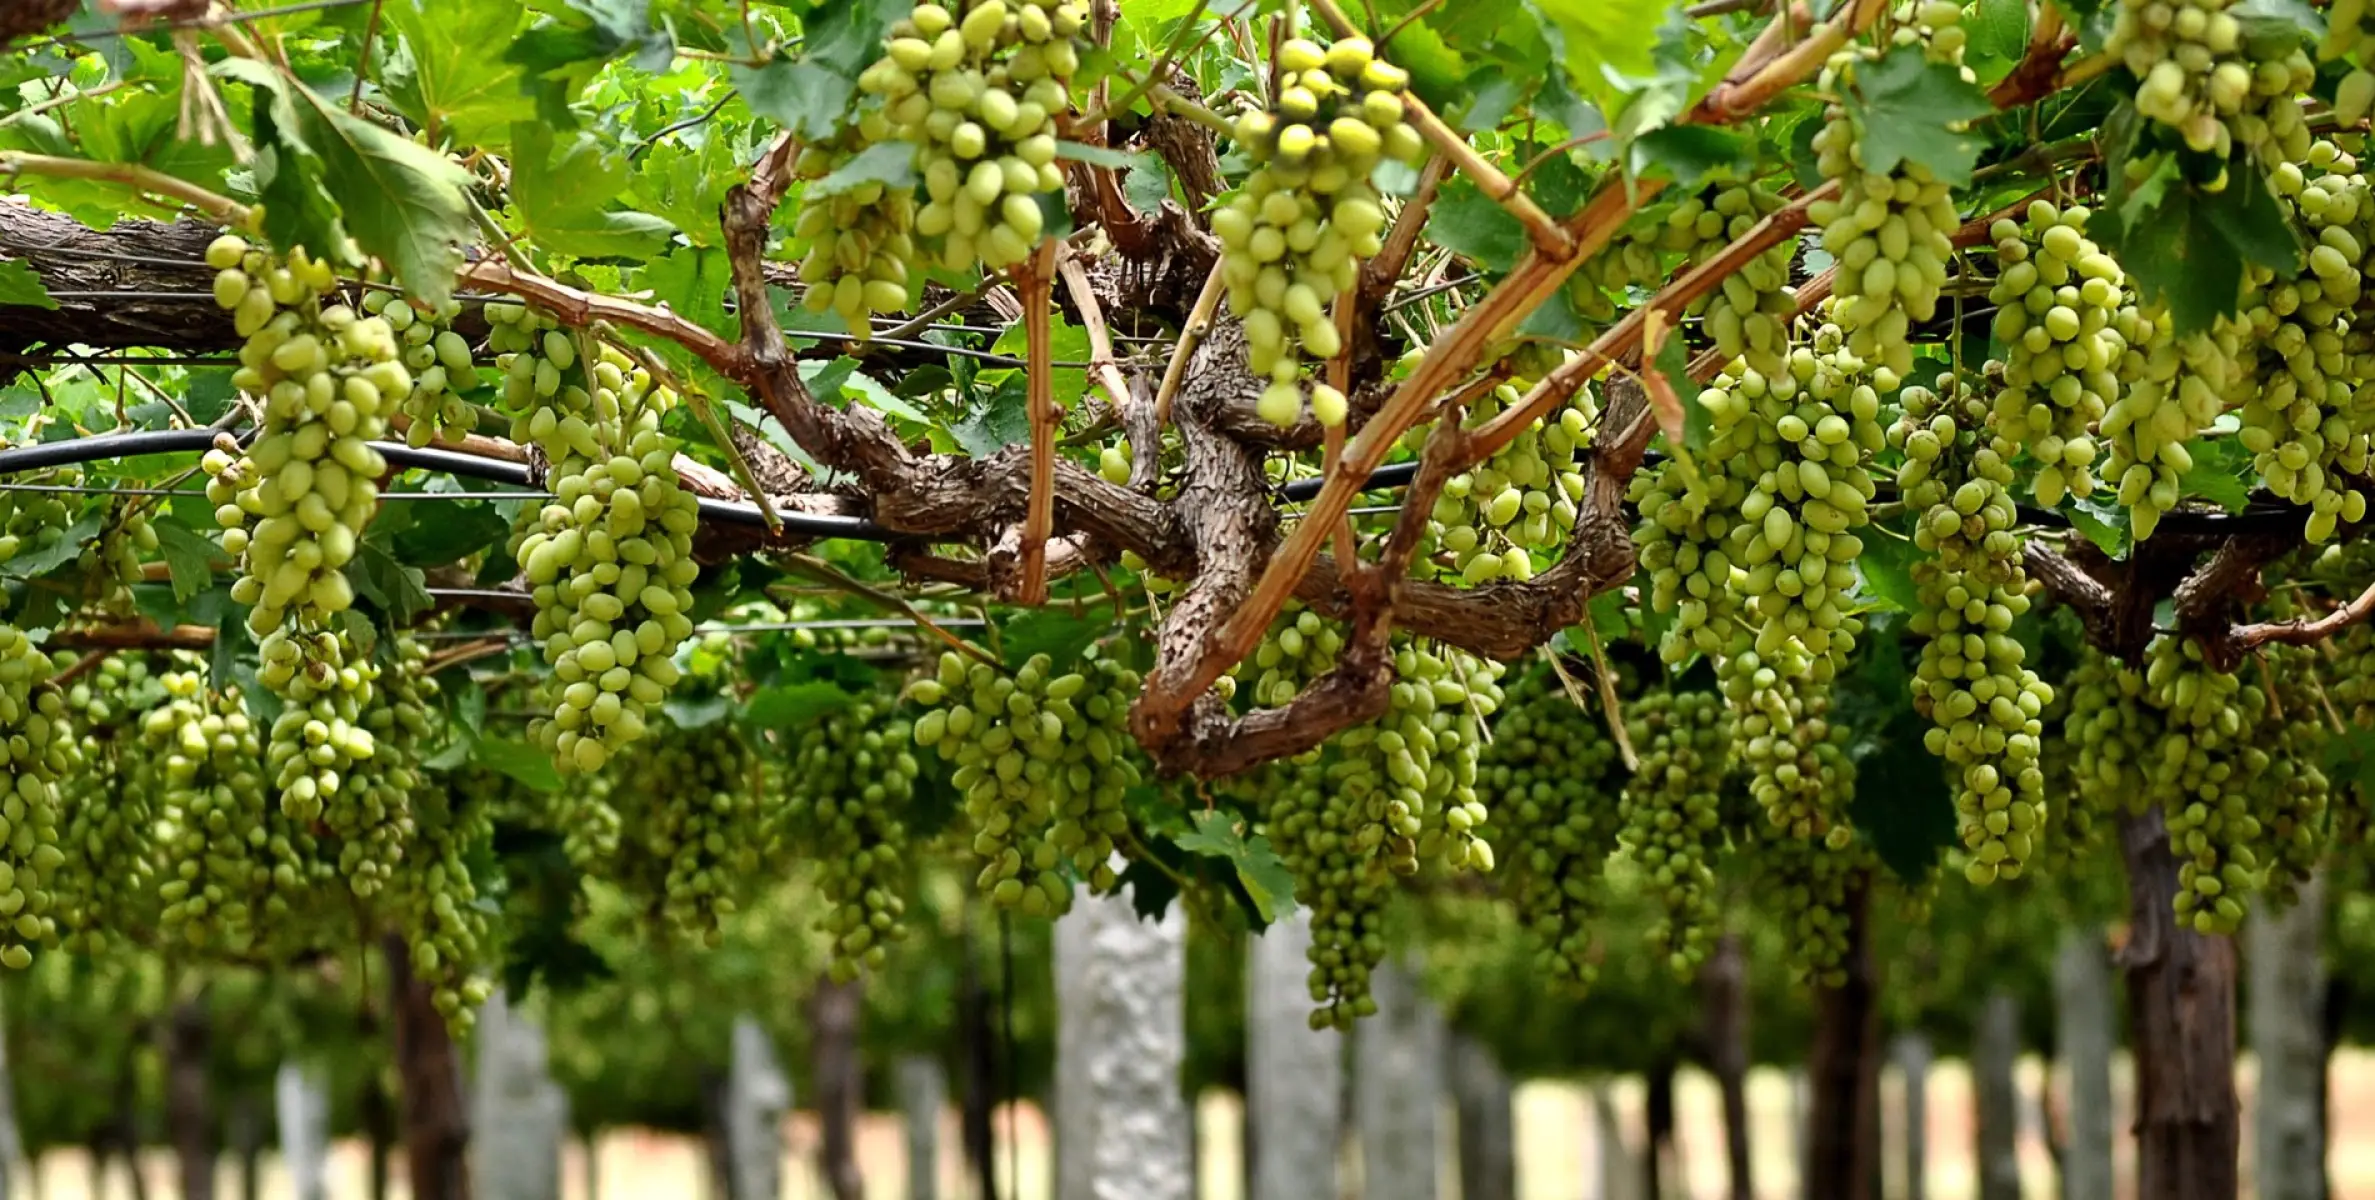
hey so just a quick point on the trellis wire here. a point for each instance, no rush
(230, 18)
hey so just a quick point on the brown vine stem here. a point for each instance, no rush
(1393, 256)
(1035, 279)
(1102, 366)
(1332, 436)
(130, 175)
(2304, 631)
(82, 666)
(579, 307)
(1191, 332)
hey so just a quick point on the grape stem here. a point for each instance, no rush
(1035, 278)
(131, 175)
(1191, 332)
(1102, 366)
(82, 666)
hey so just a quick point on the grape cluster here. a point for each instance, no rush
(325, 379)
(1495, 516)
(316, 749)
(2293, 795)
(849, 780)
(1982, 702)
(1749, 315)
(1795, 758)
(2303, 417)
(2205, 775)
(1316, 829)
(435, 902)
(1042, 761)
(691, 824)
(860, 238)
(2058, 299)
(1891, 232)
(1546, 780)
(110, 563)
(2215, 88)
(977, 91)
(441, 365)
(235, 869)
(1670, 816)
(31, 522)
(1809, 886)
(105, 886)
(40, 753)
(372, 814)
(2172, 388)
(1292, 238)
(2114, 734)
(2349, 36)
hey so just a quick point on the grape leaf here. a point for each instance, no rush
(1096, 156)
(2187, 247)
(531, 767)
(693, 280)
(1601, 42)
(1151, 891)
(33, 564)
(1905, 106)
(1475, 226)
(459, 530)
(1999, 38)
(1688, 154)
(891, 164)
(791, 705)
(693, 712)
(19, 285)
(831, 385)
(1886, 566)
(1060, 634)
(450, 83)
(2103, 522)
(563, 198)
(2218, 473)
(403, 202)
(1265, 879)
(1901, 805)
(189, 558)
(398, 590)
(998, 418)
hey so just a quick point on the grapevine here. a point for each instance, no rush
(1545, 779)
(1670, 815)
(2058, 300)
(849, 780)
(41, 753)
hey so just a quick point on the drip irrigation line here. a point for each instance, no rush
(137, 28)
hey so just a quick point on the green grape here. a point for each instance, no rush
(1670, 816)
(325, 379)
(434, 900)
(848, 780)
(2210, 84)
(859, 239)
(1890, 232)
(1545, 779)
(2058, 299)
(2293, 795)
(1042, 761)
(110, 563)
(105, 887)
(237, 873)
(2172, 388)
(1748, 316)
(1982, 703)
(441, 364)
(2203, 776)
(1316, 828)
(691, 825)
(317, 746)
(1809, 885)
(371, 813)
(1496, 516)
(42, 753)
(2305, 417)
(2348, 36)
(31, 522)
(977, 91)
(1293, 237)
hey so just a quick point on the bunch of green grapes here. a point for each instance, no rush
(977, 91)
(434, 901)
(609, 559)
(1891, 232)
(235, 868)
(2058, 299)
(1293, 237)
(1982, 702)
(41, 753)
(110, 563)
(1316, 829)
(1545, 779)
(2203, 776)
(2349, 36)
(2293, 794)
(1411, 773)
(2171, 388)
(2114, 735)
(372, 812)
(105, 886)
(859, 239)
(1042, 761)
(441, 365)
(31, 522)
(325, 378)
(848, 781)
(1809, 885)
(1748, 317)
(316, 749)
(1795, 758)
(692, 824)
(2198, 74)
(2306, 415)
(1686, 514)
(1670, 814)
(1299, 647)
(1523, 499)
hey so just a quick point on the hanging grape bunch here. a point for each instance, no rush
(31, 522)
(977, 92)
(2213, 86)
(1669, 815)
(691, 825)
(37, 754)
(325, 379)
(850, 779)
(2203, 776)
(316, 745)
(1748, 315)
(1494, 517)
(105, 887)
(231, 861)
(1294, 236)
(372, 815)
(434, 900)
(1313, 827)
(859, 238)
(1808, 885)
(110, 563)
(2058, 299)
(2293, 794)
(1042, 761)
(2171, 388)
(2348, 36)
(441, 365)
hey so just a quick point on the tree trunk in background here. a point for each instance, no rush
(2181, 1011)
(1995, 1048)
(1398, 1088)
(978, 1072)
(1484, 1102)
(1844, 1068)
(1294, 1074)
(923, 1093)
(1912, 1052)
(521, 1116)
(589, 1143)
(189, 1104)
(1122, 1126)
(436, 1126)
(833, 1014)
(126, 1132)
(2288, 1037)
(2083, 1033)
(1658, 1169)
(302, 1106)
(247, 1141)
(1723, 1005)
(379, 1125)
(1618, 1179)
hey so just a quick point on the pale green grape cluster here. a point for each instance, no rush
(105, 886)
(1299, 647)
(2058, 298)
(316, 749)
(372, 814)
(1411, 773)
(1670, 819)
(441, 365)
(2203, 775)
(1748, 316)
(1808, 885)
(235, 869)
(1890, 232)
(1546, 780)
(2172, 388)
(325, 378)
(1795, 758)
(2304, 417)
(31, 522)
(977, 90)
(860, 238)
(1317, 829)
(1494, 517)
(110, 563)
(38, 752)
(1983, 703)
(2200, 75)
(1294, 236)
(692, 825)
(435, 903)
(848, 782)
(1042, 761)
(2349, 36)
(2293, 794)
(2114, 736)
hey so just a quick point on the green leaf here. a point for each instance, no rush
(1264, 877)
(1905, 105)
(563, 198)
(403, 202)
(998, 419)
(685, 185)
(1097, 156)
(693, 712)
(1999, 37)
(529, 766)
(19, 285)
(1887, 570)
(458, 531)
(1057, 633)
(1151, 891)
(398, 590)
(837, 380)
(2218, 473)
(35, 563)
(455, 86)
(2187, 247)
(1475, 226)
(1690, 153)
(1605, 40)
(891, 164)
(804, 98)
(1902, 805)
(2104, 522)
(693, 281)
(189, 558)
(847, 35)
(791, 705)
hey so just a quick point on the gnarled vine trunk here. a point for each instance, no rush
(2181, 1011)
(436, 1125)
(189, 1102)
(1842, 1155)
